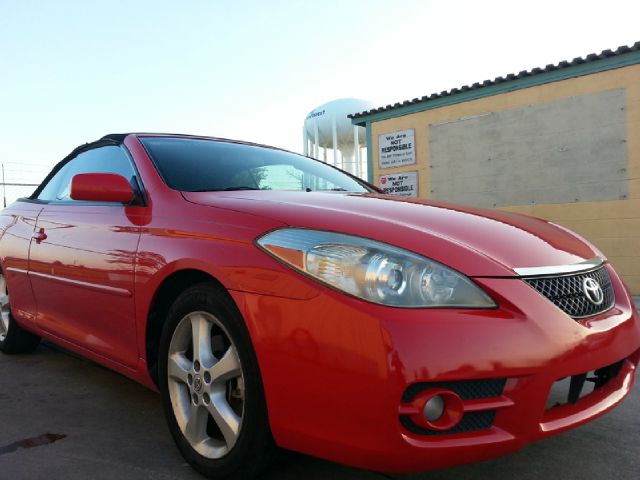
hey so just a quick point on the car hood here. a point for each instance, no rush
(476, 242)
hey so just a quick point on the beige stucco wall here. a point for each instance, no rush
(614, 226)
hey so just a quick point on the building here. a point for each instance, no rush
(560, 142)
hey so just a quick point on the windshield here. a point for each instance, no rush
(199, 165)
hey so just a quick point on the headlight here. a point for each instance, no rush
(372, 270)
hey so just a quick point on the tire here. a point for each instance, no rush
(212, 394)
(13, 338)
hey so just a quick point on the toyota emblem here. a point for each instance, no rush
(593, 291)
(197, 383)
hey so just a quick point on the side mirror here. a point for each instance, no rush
(101, 187)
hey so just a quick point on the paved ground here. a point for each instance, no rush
(115, 429)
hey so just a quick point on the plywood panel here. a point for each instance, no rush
(568, 150)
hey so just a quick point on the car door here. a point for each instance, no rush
(18, 225)
(82, 260)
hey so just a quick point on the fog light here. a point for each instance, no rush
(434, 408)
(437, 409)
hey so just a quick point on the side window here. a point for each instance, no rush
(109, 159)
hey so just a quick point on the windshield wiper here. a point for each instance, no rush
(227, 189)
(240, 187)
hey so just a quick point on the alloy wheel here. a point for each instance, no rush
(206, 384)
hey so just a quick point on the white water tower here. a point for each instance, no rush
(330, 136)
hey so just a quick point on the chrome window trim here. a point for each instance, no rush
(590, 264)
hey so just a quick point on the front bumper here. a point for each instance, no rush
(335, 370)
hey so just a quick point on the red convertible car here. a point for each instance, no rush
(275, 301)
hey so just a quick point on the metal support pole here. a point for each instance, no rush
(316, 147)
(356, 152)
(305, 148)
(4, 189)
(334, 132)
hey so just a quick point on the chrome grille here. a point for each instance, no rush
(567, 293)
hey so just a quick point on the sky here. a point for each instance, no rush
(73, 71)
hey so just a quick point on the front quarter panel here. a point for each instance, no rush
(217, 242)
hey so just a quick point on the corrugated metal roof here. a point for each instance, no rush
(593, 57)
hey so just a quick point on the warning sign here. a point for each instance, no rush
(402, 184)
(397, 148)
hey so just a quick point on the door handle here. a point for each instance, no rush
(39, 236)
